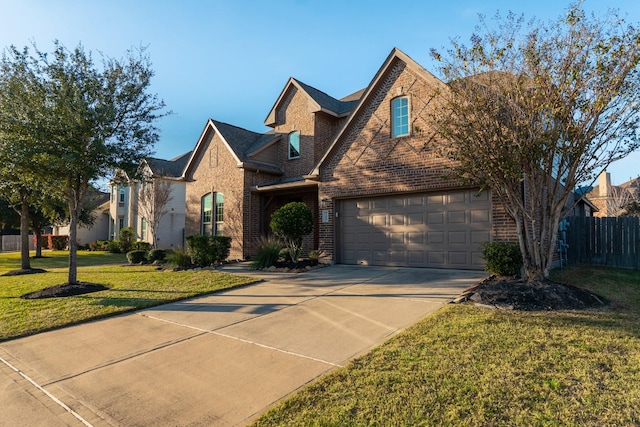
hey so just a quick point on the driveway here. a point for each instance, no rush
(221, 359)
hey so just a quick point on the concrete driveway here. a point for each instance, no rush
(221, 359)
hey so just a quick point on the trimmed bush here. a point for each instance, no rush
(285, 255)
(503, 258)
(113, 246)
(59, 243)
(198, 248)
(136, 257)
(291, 223)
(205, 250)
(220, 247)
(268, 253)
(127, 238)
(142, 246)
(157, 255)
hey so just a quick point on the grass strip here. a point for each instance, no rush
(472, 366)
(130, 288)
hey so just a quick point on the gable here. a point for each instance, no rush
(368, 129)
(367, 155)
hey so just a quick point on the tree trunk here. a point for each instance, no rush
(38, 234)
(73, 244)
(25, 263)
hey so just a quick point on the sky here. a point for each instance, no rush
(229, 60)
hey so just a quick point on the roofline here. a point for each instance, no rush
(270, 120)
(273, 170)
(285, 186)
(276, 138)
(395, 54)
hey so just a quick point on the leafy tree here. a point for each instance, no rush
(85, 120)
(533, 109)
(291, 223)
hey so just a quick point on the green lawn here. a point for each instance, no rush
(471, 366)
(131, 288)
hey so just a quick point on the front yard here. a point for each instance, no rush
(474, 366)
(130, 288)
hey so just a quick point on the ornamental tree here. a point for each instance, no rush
(291, 223)
(533, 109)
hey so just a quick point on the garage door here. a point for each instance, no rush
(441, 230)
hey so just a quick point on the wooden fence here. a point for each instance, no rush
(614, 242)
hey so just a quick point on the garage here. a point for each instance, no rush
(439, 230)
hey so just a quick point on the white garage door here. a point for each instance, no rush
(441, 230)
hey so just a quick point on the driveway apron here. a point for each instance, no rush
(221, 359)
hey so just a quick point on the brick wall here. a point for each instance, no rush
(368, 161)
(215, 170)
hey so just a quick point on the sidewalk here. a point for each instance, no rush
(221, 359)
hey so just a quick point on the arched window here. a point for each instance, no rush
(400, 116)
(294, 145)
(207, 210)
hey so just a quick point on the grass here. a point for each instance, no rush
(131, 288)
(471, 366)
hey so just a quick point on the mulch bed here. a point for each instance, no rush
(517, 294)
(65, 290)
(25, 271)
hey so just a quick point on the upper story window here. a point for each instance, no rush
(207, 210)
(294, 145)
(400, 117)
(122, 196)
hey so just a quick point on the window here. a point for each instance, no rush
(294, 145)
(400, 117)
(122, 195)
(206, 214)
(143, 229)
(120, 225)
(219, 213)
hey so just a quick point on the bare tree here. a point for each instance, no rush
(618, 200)
(153, 201)
(532, 110)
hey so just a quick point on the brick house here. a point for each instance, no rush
(367, 167)
(610, 200)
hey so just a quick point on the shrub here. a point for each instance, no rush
(99, 245)
(157, 255)
(127, 238)
(292, 222)
(268, 253)
(179, 258)
(314, 255)
(503, 258)
(198, 248)
(59, 243)
(136, 257)
(285, 255)
(113, 246)
(204, 250)
(142, 246)
(220, 247)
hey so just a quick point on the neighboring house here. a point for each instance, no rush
(99, 230)
(366, 165)
(609, 199)
(125, 211)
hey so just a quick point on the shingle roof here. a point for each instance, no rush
(172, 168)
(327, 101)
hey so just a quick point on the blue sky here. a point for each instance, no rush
(229, 60)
